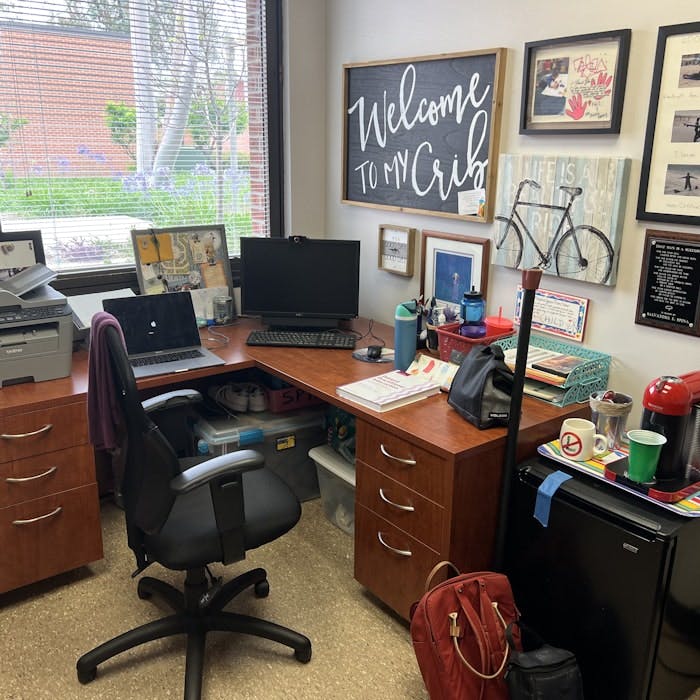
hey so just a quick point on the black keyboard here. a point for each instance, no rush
(302, 339)
(164, 357)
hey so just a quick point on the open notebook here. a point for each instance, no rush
(161, 333)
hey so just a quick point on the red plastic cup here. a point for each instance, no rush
(498, 325)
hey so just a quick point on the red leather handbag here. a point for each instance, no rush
(458, 634)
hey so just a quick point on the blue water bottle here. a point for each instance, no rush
(405, 333)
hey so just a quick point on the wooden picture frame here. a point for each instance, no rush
(421, 134)
(669, 285)
(669, 187)
(20, 249)
(184, 258)
(451, 265)
(396, 249)
(575, 84)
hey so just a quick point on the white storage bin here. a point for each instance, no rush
(283, 439)
(336, 480)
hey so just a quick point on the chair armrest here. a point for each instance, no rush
(204, 472)
(172, 399)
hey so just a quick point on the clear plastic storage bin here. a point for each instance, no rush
(336, 479)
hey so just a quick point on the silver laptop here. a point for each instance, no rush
(161, 333)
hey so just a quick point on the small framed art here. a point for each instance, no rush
(575, 84)
(451, 265)
(396, 249)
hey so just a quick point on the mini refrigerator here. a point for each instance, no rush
(613, 578)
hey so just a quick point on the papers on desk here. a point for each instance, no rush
(388, 390)
(85, 306)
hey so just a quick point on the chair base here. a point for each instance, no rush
(197, 611)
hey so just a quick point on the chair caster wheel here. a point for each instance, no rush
(142, 593)
(303, 655)
(87, 675)
(262, 589)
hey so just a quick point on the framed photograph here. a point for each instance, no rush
(451, 265)
(19, 249)
(421, 134)
(575, 84)
(184, 258)
(669, 187)
(669, 285)
(397, 249)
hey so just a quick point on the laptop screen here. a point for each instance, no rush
(153, 322)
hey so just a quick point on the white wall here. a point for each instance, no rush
(364, 30)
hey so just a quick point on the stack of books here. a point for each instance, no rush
(546, 371)
(389, 390)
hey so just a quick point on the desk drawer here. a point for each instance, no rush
(404, 462)
(407, 510)
(63, 533)
(396, 579)
(44, 474)
(27, 434)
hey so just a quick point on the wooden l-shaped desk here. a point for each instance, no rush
(428, 482)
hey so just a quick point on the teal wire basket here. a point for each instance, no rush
(583, 380)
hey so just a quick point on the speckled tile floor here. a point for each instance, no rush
(360, 650)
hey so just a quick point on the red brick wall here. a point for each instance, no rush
(73, 73)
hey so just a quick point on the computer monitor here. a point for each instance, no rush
(300, 282)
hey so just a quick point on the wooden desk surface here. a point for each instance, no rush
(429, 421)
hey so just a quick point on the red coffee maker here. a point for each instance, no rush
(672, 408)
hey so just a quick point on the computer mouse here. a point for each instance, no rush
(374, 352)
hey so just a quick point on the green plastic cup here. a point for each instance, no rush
(645, 449)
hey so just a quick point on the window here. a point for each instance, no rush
(121, 114)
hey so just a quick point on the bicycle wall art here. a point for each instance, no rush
(562, 214)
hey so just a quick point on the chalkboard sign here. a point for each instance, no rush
(421, 134)
(669, 289)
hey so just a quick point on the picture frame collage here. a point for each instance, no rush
(573, 86)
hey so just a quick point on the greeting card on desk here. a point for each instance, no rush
(561, 365)
(388, 390)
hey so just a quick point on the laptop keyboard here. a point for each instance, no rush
(165, 357)
(302, 339)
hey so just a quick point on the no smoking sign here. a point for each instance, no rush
(571, 444)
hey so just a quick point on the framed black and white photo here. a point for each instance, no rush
(575, 84)
(451, 265)
(19, 249)
(669, 188)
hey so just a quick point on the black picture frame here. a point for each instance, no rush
(33, 238)
(669, 284)
(445, 114)
(589, 99)
(666, 194)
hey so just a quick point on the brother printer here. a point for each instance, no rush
(36, 328)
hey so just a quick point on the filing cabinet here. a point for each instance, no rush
(49, 506)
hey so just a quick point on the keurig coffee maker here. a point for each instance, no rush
(672, 408)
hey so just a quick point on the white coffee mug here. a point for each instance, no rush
(579, 441)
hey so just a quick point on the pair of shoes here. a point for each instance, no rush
(239, 398)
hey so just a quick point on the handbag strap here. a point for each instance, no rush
(435, 569)
(455, 634)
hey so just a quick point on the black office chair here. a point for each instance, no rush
(185, 514)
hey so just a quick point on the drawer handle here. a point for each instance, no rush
(402, 552)
(410, 509)
(19, 436)
(29, 521)
(409, 462)
(18, 480)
